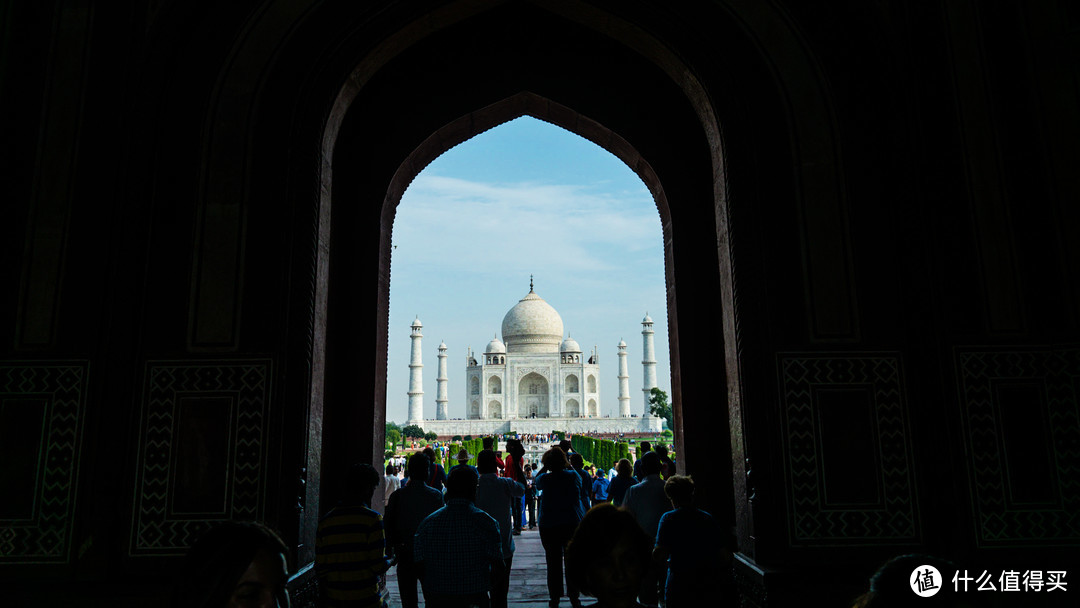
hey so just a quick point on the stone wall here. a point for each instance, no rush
(542, 425)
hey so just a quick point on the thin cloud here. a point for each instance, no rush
(453, 224)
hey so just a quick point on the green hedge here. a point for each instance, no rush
(601, 452)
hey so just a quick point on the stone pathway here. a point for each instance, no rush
(528, 576)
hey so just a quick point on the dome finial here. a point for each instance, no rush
(530, 283)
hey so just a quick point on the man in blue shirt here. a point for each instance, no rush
(683, 537)
(469, 535)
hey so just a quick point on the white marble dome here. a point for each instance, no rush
(532, 326)
(570, 345)
(495, 346)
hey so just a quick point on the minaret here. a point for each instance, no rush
(624, 383)
(416, 376)
(648, 361)
(440, 392)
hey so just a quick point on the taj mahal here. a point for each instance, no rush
(532, 381)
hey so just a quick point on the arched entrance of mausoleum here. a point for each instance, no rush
(538, 89)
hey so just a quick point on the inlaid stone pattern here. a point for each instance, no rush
(1056, 373)
(42, 534)
(812, 522)
(245, 385)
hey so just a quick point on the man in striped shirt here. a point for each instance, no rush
(350, 546)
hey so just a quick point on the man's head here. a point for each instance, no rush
(360, 483)
(650, 463)
(565, 445)
(661, 450)
(515, 448)
(461, 483)
(646, 446)
(485, 462)
(463, 456)
(576, 461)
(680, 490)
(489, 443)
(418, 466)
(430, 453)
(554, 460)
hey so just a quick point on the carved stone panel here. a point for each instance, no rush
(201, 450)
(1022, 443)
(841, 491)
(42, 407)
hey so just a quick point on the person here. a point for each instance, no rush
(350, 546)
(667, 465)
(530, 495)
(389, 484)
(461, 530)
(489, 444)
(607, 557)
(577, 462)
(235, 565)
(890, 586)
(680, 536)
(600, 488)
(515, 463)
(646, 447)
(621, 482)
(436, 473)
(463, 457)
(496, 496)
(560, 511)
(404, 511)
(648, 503)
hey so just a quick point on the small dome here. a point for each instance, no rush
(622, 344)
(570, 345)
(442, 345)
(533, 326)
(416, 323)
(495, 346)
(647, 319)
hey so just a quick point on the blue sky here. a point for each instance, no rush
(524, 198)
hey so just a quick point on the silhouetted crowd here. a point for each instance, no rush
(629, 537)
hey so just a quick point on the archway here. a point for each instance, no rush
(533, 396)
(572, 383)
(683, 145)
(573, 409)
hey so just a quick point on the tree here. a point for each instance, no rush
(413, 431)
(393, 436)
(431, 435)
(658, 406)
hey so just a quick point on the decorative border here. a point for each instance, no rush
(248, 381)
(997, 523)
(46, 539)
(810, 522)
